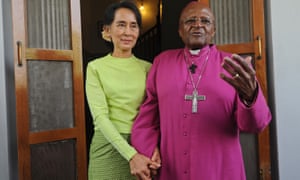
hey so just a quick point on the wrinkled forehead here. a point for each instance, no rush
(196, 9)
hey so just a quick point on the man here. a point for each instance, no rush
(198, 101)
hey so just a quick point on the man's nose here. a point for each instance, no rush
(198, 22)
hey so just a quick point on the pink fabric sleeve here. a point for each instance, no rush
(254, 118)
(145, 131)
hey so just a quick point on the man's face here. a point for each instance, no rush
(196, 26)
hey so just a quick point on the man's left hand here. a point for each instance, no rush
(242, 76)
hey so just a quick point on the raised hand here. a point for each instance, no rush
(242, 76)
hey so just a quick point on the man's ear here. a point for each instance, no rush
(180, 33)
(214, 33)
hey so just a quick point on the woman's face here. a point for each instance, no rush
(124, 30)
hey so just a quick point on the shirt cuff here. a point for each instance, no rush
(130, 154)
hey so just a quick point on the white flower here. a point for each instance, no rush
(106, 36)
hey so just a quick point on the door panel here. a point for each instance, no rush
(233, 21)
(49, 89)
(240, 29)
(48, 24)
(57, 158)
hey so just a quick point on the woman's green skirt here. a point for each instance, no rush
(105, 162)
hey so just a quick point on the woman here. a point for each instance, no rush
(115, 88)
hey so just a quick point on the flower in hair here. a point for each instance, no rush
(106, 36)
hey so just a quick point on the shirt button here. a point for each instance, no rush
(185, 153)
(185, 115)
(185, 133)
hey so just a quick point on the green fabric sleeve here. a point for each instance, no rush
(99, 110)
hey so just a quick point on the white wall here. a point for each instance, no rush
(284, 30)
(8, 139)
(4, 171)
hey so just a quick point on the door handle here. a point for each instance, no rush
(261, 174)
(20, 53)
(258, 38)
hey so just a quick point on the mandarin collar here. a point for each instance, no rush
(200, 53)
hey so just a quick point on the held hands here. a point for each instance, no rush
(242, 76)
(142, 167)
(156, 158)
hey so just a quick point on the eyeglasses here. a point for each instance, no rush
(193, 21)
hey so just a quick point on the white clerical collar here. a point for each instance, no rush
(195, 52)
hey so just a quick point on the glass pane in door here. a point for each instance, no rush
(54, 160)
(250, 155)
(50, 86)
(48, 24)
(249, 143)
(233, 21)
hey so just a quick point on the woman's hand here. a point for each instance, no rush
(140, 166)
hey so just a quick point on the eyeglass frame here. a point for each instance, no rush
(192, 21)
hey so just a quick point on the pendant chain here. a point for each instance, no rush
(195, 86)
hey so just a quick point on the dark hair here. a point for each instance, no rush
(109, 13)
